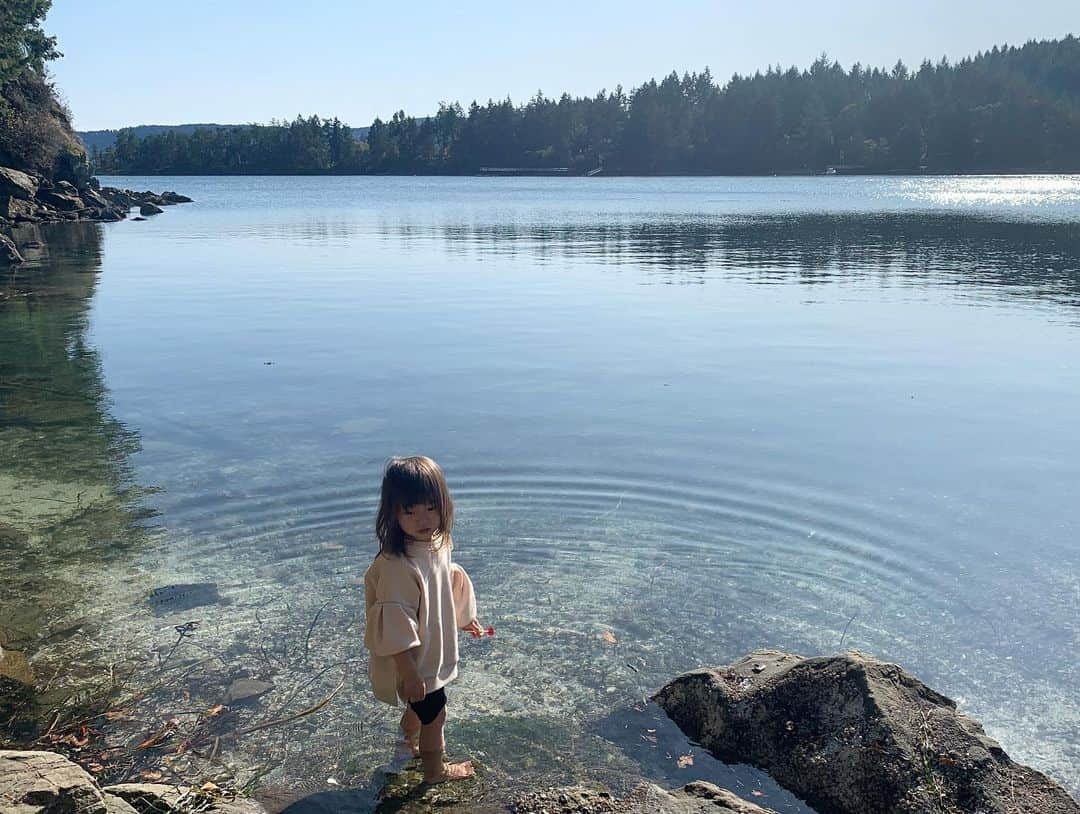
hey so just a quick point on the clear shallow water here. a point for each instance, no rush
(705, 415)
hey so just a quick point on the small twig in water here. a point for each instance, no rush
(844, 636)
(311, 627)
(182, 631)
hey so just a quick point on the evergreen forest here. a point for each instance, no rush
(1009, 109)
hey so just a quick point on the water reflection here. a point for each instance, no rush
(1041, 258)
(67, 505)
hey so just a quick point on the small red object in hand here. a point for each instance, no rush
(490, 631)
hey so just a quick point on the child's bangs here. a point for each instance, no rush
(419, 488)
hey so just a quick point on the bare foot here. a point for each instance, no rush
(452, 771)
(405, 749)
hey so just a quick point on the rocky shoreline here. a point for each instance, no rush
(848, 734)
(26, 198)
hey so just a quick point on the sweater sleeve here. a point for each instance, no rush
(393, 606)
(464, 597)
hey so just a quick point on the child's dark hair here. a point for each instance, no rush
(409, 482)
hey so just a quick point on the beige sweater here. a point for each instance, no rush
(416, 601)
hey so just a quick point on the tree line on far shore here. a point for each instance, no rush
(1005, 110)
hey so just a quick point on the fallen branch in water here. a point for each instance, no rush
(301, 714)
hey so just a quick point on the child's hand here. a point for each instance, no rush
(415, 690)
(474, 629)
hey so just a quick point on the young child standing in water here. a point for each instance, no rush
(416, 600)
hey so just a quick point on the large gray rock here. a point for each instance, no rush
(159, 798)
(17, 184)
(62, 200)
(853, 735)
(118, 197)
(93, 198)
(18, 210)
(693, 798)
(115, 805)
(147, 798)
(46, 783)
(150, 209)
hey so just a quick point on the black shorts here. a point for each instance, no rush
(428, 709)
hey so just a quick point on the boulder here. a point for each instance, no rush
(115, 805)
(9, 253)
(693, 798)
(19, 210)
(61, 200)
(150, 209)
(46, 783)
(118, 197)
(158, 798)
(108, 213)
(149, 196)
(147, 798)
(854, 735)
(17, 184)
(174, 198)
(93, 198)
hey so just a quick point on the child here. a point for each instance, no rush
(416, 600)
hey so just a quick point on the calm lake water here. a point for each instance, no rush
(701, 415)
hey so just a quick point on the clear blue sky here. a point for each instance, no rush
(161, 62)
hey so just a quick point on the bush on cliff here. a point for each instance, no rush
(35, 129)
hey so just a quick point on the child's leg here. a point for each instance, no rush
(410, 726)
(433, 754)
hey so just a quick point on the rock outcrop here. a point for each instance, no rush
(17, 184)
(25, 198)
(853, 735)
(48, 783)
(693, 798)
(44, 782)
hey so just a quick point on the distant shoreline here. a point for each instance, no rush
(564, 176)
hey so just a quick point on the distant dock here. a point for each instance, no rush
(524, 170)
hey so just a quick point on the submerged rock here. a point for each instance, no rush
(693, 798)
(853, 735)
(170, 598)
(15, 668)
(243, 689)
(17, 686)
